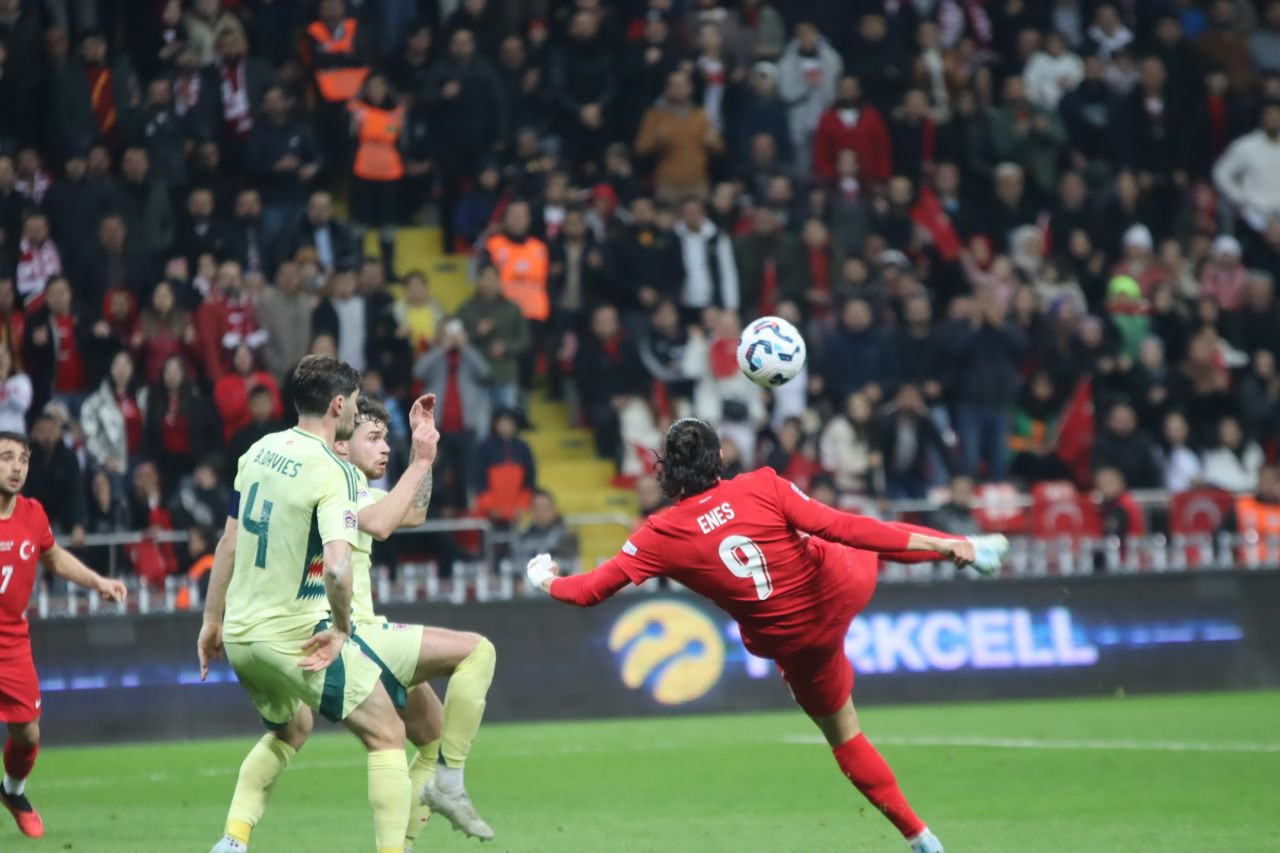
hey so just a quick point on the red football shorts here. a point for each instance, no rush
(819, 674)
(19, 688)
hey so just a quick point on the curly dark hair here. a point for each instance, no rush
(691, 462)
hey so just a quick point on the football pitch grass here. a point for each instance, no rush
(1180, 773)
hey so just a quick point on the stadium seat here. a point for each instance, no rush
(1058, 509)
(1199, 511)
(998, 508)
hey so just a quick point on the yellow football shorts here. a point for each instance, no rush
(270, 674)
(395, 648)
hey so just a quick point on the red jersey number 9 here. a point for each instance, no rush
(745, 559)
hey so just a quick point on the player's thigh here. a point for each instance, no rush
(442, 650)
(820, 678)
(298, 729)
(275, 689)
(375, 722)
(423, 715)
(394, 647)
(20, 696)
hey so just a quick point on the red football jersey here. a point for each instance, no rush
(745, 545)
(24, 536)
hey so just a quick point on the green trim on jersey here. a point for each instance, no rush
(335, 690)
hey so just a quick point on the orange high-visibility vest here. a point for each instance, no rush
(1254, 516)
(337, 84)
(378, 157)
(523, 270)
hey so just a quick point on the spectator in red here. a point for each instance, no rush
(225, 320)
(794, 457)
(1139, 261)
(112, 420)
(164, 330)
(1223, 277)
(38, 259)
(58, 343)
(181, 425)
(852, 124)
(232, 392)
(13, 320)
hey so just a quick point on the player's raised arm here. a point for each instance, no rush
(406, 504)
(585, 590)
(67, 566)
(857, 531)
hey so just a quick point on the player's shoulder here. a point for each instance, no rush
(29, 508)
(760, 481)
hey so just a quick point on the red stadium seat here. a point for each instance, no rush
(1058, 510)
(997, 508)
(1199, 511)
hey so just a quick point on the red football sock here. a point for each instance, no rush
(916, 556)
(869, 773)
(18, 760)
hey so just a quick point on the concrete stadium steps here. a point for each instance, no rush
(581, 483)
(420, 248)
(599, 542)
(560, 445)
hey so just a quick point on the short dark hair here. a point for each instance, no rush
(369, 409)
(317, 380)
(16, 437)
(691, 462)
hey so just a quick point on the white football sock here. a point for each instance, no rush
(14, 786)
(449, 778)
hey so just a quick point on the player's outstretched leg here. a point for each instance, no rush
(989, 549)
(381, 731)
(20, 752)
(862, 765)
(468, 659)
(258, 774)
(423, 716)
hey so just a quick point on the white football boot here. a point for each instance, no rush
(227, 844)
(926, 841)
(989, 551)
(455, 806)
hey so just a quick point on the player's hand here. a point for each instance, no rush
(209, 646)
(426, 441)
(111, 590)
(541, 571)
(322, 649)
(423, 407)
(961, 551)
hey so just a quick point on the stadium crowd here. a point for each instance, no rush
(1003, 225)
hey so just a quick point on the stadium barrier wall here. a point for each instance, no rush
(136, 678)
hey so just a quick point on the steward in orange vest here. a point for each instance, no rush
(377, 126)
(1260, 516)
(522, 262)
(330, 48)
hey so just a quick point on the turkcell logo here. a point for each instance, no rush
(993, 638)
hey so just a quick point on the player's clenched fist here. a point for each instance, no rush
(541, 571)
(111, 590)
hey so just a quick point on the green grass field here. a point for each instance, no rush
(1179, 773)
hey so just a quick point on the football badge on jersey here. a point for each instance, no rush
(349, 520)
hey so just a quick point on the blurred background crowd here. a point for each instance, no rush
(1027, 242)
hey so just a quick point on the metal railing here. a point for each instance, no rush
(495, 576)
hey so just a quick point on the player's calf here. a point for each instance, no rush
(20, 751)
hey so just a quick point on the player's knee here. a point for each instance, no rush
(420, 731)
(387, 734)
(480, 651)
(26, 734)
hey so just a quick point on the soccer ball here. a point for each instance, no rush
(770, 351)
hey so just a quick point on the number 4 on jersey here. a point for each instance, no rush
(745, 559)
(258, 527)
